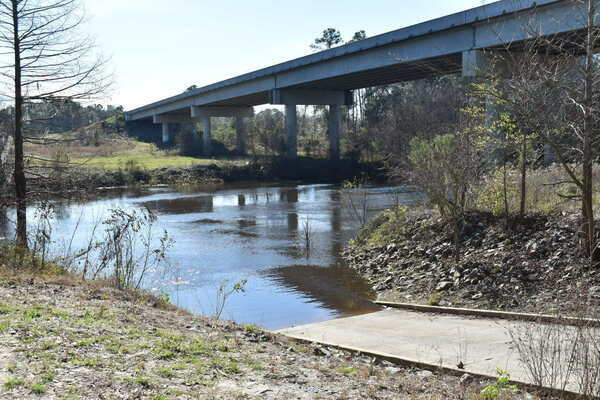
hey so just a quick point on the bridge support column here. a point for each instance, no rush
(333, 98)
(166, 132)
(480, 64)
(335, 128)
(204, 113)
(206, 136)
(240, 138)
(291, 123)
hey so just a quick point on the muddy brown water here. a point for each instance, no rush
(225, 234)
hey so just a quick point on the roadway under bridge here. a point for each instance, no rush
(455, 44)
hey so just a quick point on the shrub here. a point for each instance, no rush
(491, 197)
(448, 168)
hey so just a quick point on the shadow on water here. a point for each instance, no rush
(334, 288)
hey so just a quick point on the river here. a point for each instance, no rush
(230, 233)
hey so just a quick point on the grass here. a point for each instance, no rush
(347, 370)
(38, 388)
(547, 191)
(142, 160)
(114, 154)
(13, 383)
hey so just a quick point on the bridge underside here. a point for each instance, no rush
(459, 43)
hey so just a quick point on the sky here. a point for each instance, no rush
(158, 48)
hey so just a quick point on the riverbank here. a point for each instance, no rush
(529, 265)
(61, 338)
(269, 169)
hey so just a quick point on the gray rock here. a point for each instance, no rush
(444, 285)
(424, 374)
(594, 292)
(466, 379)
(393, 370)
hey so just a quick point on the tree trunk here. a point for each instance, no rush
(19, 172)
(587, 192)
(505, 189)
(523, 177)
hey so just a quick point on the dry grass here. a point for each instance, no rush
(548, 191)
(111, 154)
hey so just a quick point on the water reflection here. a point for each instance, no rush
(234, 232)
(334, 288)
(185, 205)
(4, 222)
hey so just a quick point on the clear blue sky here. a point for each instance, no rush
(161, 47)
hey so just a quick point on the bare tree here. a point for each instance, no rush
(44, 56)
(550, 88)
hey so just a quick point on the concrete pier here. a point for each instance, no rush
(166, 134)
(240, 136)
(206, 136)
(334, 131)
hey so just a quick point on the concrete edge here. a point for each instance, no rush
(564, 394)
(512, 316)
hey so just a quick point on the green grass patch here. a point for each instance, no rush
(86, 362)
(143, 160)
(6, 309)
(165, 372)
(38, 388)
(140, 380)
(13, 383)
(251, 329)
(33, 312)
(347, 371)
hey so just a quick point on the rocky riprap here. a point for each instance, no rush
(532, 265)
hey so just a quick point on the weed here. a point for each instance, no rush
(5, 309)
(224, 293)
(38, 388)
(33, 313)
(13, 383)
(47, 346)
(347, 370)
(502, 385)
(86, 362)
(165, 354)
(435, 299)
(139, 380)
(251, 329)
(165, 372)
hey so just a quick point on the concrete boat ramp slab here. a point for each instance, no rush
(438, 340)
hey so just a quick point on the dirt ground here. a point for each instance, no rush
(83, 341)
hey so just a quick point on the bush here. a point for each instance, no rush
(491, 196)
(448, 168)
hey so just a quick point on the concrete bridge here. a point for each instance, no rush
(457, 43)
